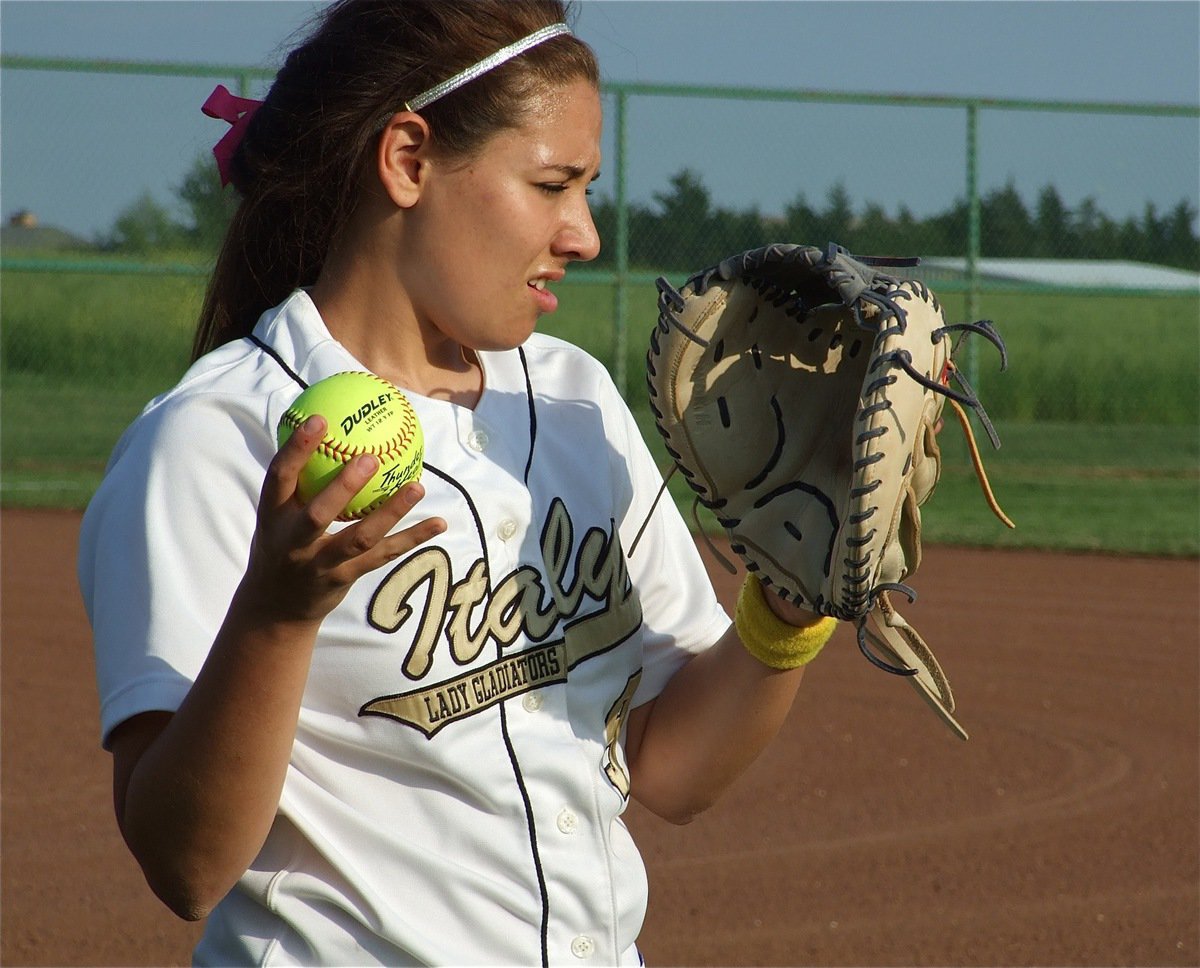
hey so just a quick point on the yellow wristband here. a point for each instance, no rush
(771, 640)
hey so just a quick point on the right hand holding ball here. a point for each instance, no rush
(365, 414)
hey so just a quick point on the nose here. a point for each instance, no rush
(578, 238)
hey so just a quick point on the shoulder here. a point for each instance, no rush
(556, 362)
(227, 395)
(238, 371)
(194, 456)
(542, 344)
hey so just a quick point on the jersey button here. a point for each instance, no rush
(477, 440)
(506, 529)
(532, 702)
(583, 946)
(568, 823)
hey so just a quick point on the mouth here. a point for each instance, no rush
(546, 301)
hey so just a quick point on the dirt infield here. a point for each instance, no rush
(1065, 832)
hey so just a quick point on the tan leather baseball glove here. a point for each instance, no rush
(800, 391)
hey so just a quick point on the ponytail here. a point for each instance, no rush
(300, 161)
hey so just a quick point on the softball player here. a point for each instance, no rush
(392, 742)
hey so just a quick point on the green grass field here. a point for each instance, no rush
(1099, 412)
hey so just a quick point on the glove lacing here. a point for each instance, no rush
(889, 311)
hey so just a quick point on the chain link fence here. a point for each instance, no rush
(1100, 307)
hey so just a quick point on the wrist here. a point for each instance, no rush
(776, 641)
(789, 612)
(269, 615)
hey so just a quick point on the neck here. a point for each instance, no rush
(368, 312)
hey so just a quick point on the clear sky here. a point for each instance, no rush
(77, 149)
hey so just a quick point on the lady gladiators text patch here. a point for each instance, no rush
(519, 605)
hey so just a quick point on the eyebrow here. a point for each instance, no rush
(572, 171)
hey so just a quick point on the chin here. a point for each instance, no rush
(508, 340)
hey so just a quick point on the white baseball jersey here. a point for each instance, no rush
(456, 787)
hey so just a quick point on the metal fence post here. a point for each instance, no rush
(973, 234)
(621, 322)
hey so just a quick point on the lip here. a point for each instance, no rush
(545, 300)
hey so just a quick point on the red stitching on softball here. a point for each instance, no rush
(337, 451)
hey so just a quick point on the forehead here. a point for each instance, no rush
(562, 127)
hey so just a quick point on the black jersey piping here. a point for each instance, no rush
(512, 753)
(278, 359)
(537, 860)
(532, 412)
(474, 516)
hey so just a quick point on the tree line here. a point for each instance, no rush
(684, 229)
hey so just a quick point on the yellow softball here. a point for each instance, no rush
(365, 415)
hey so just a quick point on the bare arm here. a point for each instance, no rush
(713, 719)
(196, 791)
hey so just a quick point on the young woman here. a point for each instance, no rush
(410, 739)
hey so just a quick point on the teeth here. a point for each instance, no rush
(538, 284)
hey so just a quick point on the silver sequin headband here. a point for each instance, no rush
(485, 65)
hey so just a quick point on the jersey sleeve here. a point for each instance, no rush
(163, 545)
(680, 610)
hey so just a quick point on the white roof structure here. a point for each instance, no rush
(1080, 273)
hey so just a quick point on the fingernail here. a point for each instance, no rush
(367, 463)
(311, 424)
(412, 494)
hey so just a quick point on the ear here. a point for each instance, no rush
(402, 157)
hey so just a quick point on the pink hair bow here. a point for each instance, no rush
(236, 111)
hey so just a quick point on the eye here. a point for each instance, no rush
(557, 188)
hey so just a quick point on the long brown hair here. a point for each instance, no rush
(298, 166)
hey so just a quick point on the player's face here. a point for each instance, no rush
(497, 232)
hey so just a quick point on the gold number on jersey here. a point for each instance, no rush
(614, 759)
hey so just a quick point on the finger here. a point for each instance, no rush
(384, 518)
(393, 546)
(283, 472)
(362, 537)
(370, 543)
(332, 499)
(402, 542)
